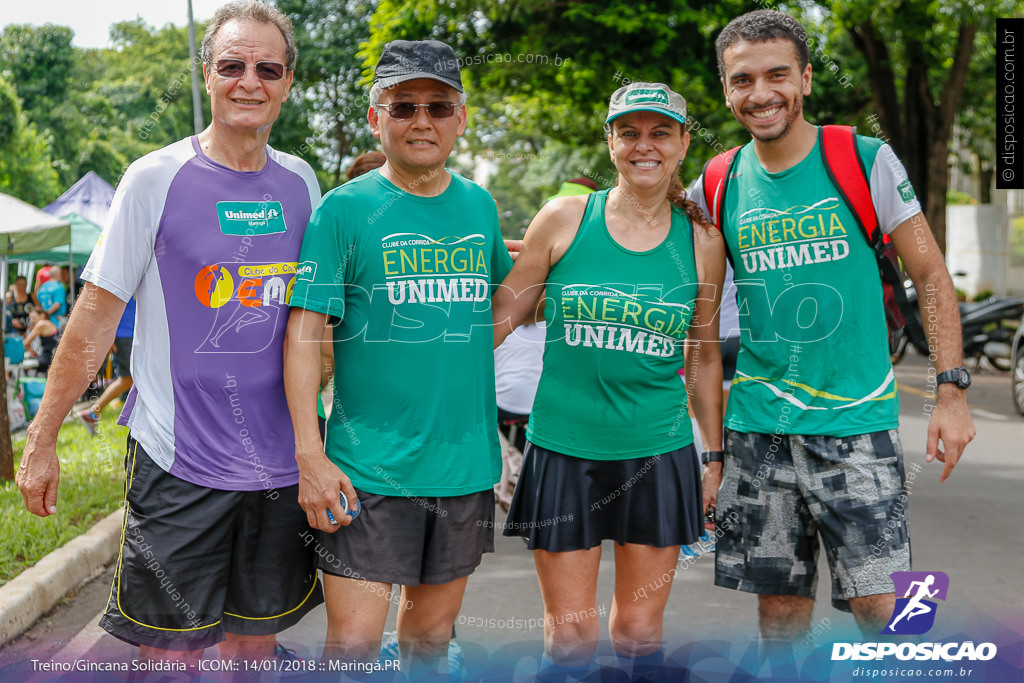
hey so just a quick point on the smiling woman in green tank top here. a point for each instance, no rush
(632, 275)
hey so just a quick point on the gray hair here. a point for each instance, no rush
(376, 90)
(250, 10)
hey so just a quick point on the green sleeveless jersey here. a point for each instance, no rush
(814, 356)
(616, 321)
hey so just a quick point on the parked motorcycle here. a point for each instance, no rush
(988, 329)
(1017, 367)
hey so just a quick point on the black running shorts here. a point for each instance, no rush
(197, 562)
(410, 540)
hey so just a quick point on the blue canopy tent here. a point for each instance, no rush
(90, 198)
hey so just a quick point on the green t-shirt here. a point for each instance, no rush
(410, 280)
(814, 356)
(610, 388)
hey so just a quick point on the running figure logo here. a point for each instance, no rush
(248, 300)
(914, 613)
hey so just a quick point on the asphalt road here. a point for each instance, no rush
(968, 527)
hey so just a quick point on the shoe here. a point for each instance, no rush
(286, 658)
(284, 654)
(456, 662)
(90, 420)
(388, 647)
(703, 546)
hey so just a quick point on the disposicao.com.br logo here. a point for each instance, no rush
(914, 614)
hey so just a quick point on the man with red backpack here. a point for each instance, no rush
(811, 445)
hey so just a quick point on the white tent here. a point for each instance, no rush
(25, 229)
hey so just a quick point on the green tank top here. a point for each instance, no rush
(616, 321)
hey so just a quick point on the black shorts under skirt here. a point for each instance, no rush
(564, 503)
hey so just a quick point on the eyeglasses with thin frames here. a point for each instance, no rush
(407, 110)
(235, 68)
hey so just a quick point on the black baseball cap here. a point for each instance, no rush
(405, 60)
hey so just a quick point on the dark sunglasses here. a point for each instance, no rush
(235, 68)
(407, 110)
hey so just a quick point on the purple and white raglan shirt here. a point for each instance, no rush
(210, 253)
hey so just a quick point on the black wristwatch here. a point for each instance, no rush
(958, 376)
(712, 456)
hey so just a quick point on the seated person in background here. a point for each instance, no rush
(19, 303)
(42, 327)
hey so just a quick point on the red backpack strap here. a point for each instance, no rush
(846, 169)
(716, 173)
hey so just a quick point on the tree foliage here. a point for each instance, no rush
(327, 87)
(26, 171)
(538, 75)
(66, 92)
(40, 62)
(546, 70)
(918, 55)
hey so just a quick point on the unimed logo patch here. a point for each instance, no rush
(251, 218)
(906, 191)
(647, 96)
(914, 613)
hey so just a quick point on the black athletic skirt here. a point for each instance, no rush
(564, 503)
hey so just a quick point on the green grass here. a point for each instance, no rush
(91, 487)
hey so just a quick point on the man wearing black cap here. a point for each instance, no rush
(402, 261)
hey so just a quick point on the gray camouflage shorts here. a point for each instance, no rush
(786, 490)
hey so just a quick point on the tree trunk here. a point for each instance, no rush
(985, 175)
(883, 83)
(920, 137)
(941, 130)
(6, 449)
(937, 183)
